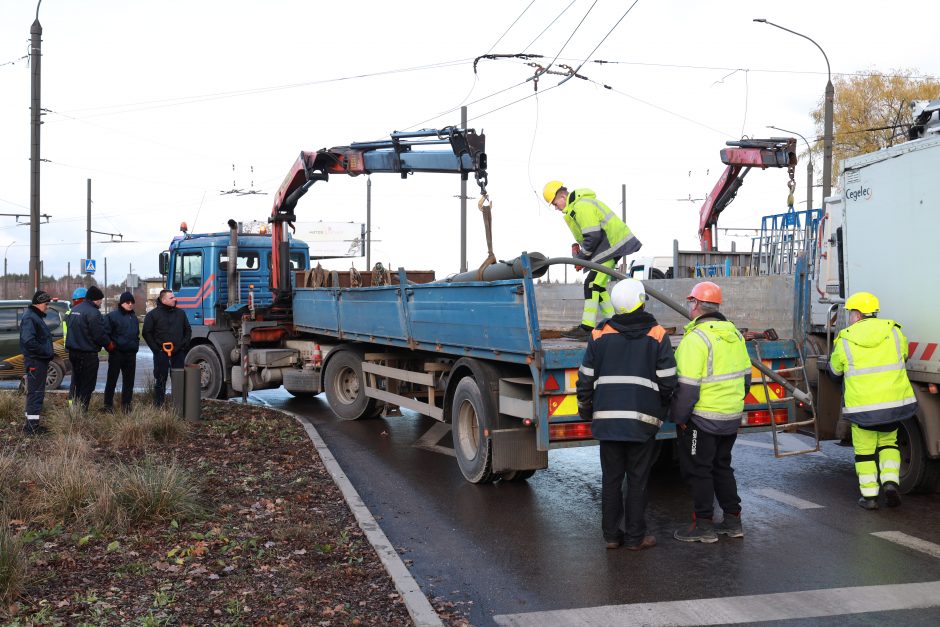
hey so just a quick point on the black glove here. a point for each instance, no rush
(586, 411)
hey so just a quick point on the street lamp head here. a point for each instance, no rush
(760, 19)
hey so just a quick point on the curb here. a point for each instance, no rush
(417, 604)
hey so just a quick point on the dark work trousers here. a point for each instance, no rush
(161, 369)
(124, 364)
(623, 512)
(705, 461)
(36, 370)
(84, 376)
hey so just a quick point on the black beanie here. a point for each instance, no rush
(41, 297)
(126, 297)
(94, 293)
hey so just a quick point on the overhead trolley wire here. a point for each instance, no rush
(557, 17)
(599, 43)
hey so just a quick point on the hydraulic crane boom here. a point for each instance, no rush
(404, 153)
(776, 152)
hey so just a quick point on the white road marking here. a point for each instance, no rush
(786, 441)
(787, 499)
(429, 441)
(742, 609)
(931, 549)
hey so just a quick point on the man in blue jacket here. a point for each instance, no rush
(123, 329)
(36, 345)
(625, 384)
(87, 336)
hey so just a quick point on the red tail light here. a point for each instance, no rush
(762, 417)
(570, 431)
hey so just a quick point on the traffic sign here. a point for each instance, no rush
(89, 265)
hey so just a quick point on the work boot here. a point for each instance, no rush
(648, 542)
(730, 526)
(892, 495)
(701, 530)
(868, 502)
(614, 544)
(33, 427)
(580, 333)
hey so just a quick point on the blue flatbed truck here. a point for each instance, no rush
(468, 351)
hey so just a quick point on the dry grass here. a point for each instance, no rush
(153, 491)
(66, 487)
(13, 564)
(12, 407)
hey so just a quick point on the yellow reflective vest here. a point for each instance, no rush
(870, 354)
(714, 369)
(600, 232)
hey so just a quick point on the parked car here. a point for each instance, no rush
(11, 315)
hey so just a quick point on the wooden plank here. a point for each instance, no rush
(409, 403)
(421, 378)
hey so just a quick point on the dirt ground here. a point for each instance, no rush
(274, 542)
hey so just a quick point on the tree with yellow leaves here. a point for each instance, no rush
(871, 111)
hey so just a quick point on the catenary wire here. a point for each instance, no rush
(600, 42)
(550, 24)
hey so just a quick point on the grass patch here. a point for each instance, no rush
(66, 486)
(12, 407)
(153, 491)
(12, 564)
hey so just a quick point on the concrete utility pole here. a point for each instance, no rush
(35, 59)
(369, 223)
(463, 204)
(88, 230)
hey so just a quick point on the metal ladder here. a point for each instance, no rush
(775, 431)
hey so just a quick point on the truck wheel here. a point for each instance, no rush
(210, 377)
(345, 387)
(919, 473)
(55, 374)
(516, 475)
(473, 449)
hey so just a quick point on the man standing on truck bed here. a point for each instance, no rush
(714, 376)
(167, 333)
(601, 237)
(870, 355)
(624, 386)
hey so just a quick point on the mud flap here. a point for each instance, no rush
(515, 449)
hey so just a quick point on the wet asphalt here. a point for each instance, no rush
(518, 547)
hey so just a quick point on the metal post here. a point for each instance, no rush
(463, 204)
(35, 59)
(827, 139)
(623, 202)
(369, 223)
(4, 277)
(88, 230)
(105, 286)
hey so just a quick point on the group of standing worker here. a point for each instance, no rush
(166, 331)
(631, 381)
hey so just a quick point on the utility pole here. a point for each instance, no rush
(88, 230)
(463, 203)
(105, 286)
(369, 223)
(35, 59)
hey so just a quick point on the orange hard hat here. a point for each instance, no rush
(707, 292)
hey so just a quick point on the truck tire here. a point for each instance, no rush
(472, 447)
(516, 475)
(210, 377)
(345, 387)
(919, 473)
(55, 374)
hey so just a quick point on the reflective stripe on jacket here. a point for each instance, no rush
(600, 232)
(627, 378)
(870, 354)
(714, 375)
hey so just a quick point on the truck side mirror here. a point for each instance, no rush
(164, 262)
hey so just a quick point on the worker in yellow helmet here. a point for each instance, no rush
(601, 237)
(869, 356)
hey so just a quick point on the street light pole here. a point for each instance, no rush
(6, 250)
(809, 165)
(827, 119)
(35, 60)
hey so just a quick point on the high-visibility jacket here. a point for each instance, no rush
(714, 375)
(627, 378)
(601, 234)
(870, 354)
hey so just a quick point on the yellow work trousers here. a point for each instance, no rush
(877, 459)
(596, 296)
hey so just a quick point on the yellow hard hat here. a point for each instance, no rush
(863, 302)
(551, 189)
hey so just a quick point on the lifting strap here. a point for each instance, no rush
(485, 206)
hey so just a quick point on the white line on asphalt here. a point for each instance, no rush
(931, 549)
(787, 499)
(743, 609)
(429, 441)
(787, 443)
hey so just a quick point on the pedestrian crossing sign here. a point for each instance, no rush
(89, 265)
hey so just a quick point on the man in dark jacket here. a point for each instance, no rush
(123, 329)
(87, 336)
(625, 384)
(36, 345)
(167, 333)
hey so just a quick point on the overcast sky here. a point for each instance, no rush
(157, 101)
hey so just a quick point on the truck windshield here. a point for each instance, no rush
(248, 260)
(187, 271)
(297, 260)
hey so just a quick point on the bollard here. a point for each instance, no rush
(192, 393)
(178, 383)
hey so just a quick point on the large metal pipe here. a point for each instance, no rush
(230, 271)
(678, 308)
(192, 392)
(502, 270)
